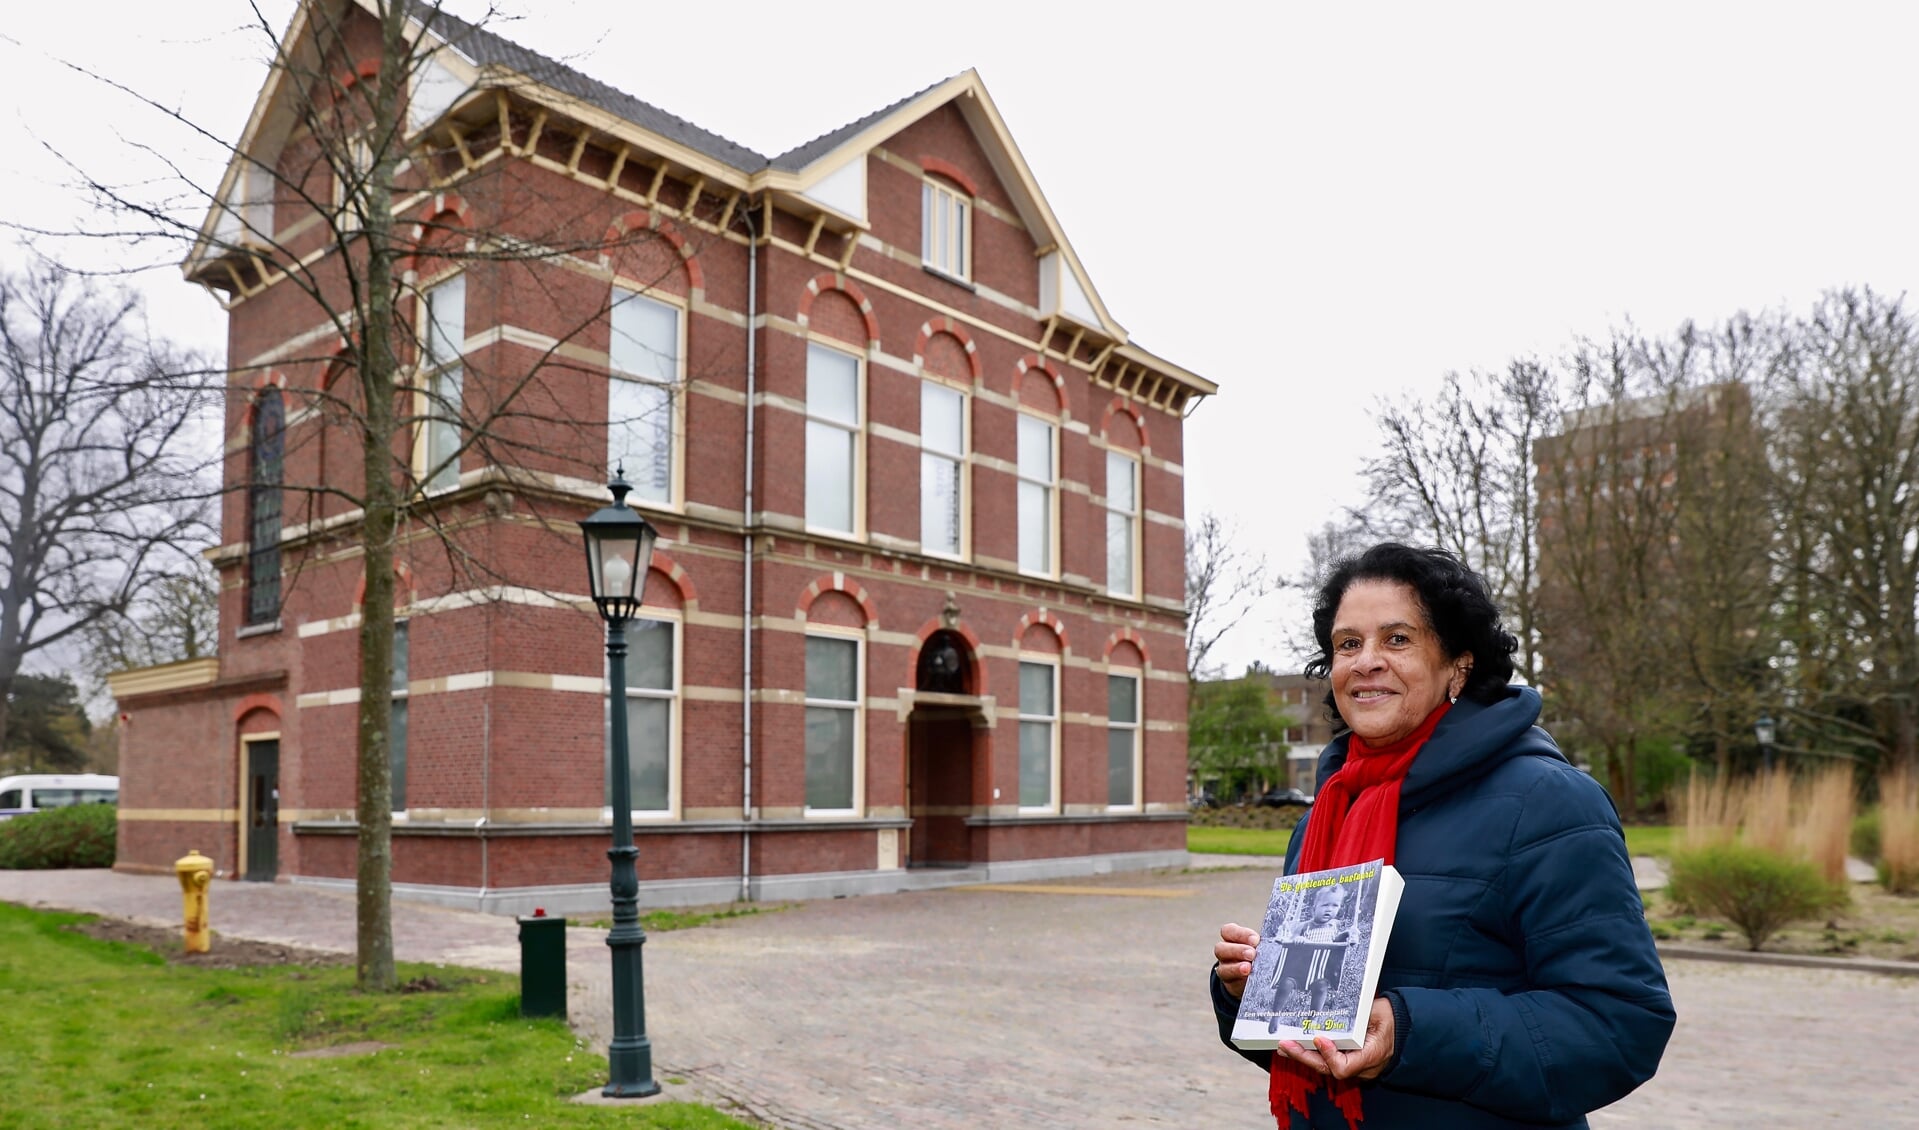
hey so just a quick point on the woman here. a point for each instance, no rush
(1520, 987)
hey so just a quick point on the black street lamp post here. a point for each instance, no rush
(619, 546)
(1765, 731)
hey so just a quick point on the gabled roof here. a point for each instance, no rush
(485, 48)
(800, 156)
(490, 60)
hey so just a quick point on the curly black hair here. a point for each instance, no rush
(1458, 604)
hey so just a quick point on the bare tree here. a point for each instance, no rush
(103, 483)
(1846, 448)
(1457, 472)
(177, 617)
(1224, 584)
(332, 196)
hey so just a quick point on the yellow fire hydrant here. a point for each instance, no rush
(195, 872)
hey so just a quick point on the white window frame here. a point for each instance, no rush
(854, 429)
(960, 460)
(400, 691)
(944, 207)
(442, 387)
(1131, 518)
(1053, 721)
(675, 697)
(675, 391)
(1136, 727)
(357, 162)
(1050, 487)
(857, 705)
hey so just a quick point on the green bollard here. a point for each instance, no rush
(542, 965)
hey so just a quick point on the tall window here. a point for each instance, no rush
(268, 447)
(396, 736)
(832, 439)
(942, 464)
(1038, 481)
(945, 217)
(1122, 523)
(652, 697)
(640, 397)
(832, 722)
(445, 375)
(1122, 741)
(1038, 733)
(350, 183)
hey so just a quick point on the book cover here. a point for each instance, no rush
(1321, 946)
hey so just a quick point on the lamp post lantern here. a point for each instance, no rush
(619, 546)
(1765, 731)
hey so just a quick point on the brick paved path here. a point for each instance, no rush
(967, 1008)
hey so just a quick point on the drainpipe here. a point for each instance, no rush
(486, 781)
(746, 566)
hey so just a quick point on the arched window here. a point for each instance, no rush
(945, 665)
(268, 448)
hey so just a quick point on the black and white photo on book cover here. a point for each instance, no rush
(1311, 974)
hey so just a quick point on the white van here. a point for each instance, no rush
(32, 792)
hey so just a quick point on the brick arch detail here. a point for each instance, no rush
(836, 582)
(1042, 616)
(442, 204)
(682, 580)
(1126, 635)
(266, 703)
(1119, 405)
(366, 69)
(973, 645)
(944, 168)
(946, 325)
(641, 218)
(402, 587)
(1032, 362)
(834, 280)
(267, 378)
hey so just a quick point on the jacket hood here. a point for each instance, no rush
(1472, 740)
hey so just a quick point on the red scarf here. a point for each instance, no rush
(1355, 818)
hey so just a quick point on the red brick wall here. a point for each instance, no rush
(526, 748)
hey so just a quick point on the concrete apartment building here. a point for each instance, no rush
(935, 634)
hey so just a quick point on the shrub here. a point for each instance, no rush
(1865, 835)
(1756, 890)
(81, 836)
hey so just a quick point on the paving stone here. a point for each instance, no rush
(952, 1009)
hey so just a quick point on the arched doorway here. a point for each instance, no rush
(945, 738)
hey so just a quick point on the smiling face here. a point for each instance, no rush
(1389, 668)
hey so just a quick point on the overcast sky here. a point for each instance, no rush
(1316, 206)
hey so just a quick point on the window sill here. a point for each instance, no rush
(266, 629)
(964, 284)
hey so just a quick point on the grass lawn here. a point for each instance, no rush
(1237, 841)
(107, 1034)
(1649, 839)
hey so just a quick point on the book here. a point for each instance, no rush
(1321, 946)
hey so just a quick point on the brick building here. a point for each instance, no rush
(916, 613)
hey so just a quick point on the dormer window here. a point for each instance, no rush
(946, 242)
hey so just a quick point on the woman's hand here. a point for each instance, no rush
(1234, 952)
(1374, 1053)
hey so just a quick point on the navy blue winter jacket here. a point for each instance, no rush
(1525, 987)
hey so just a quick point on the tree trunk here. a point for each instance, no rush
(379, 372)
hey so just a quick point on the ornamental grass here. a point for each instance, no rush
(1899, 831)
